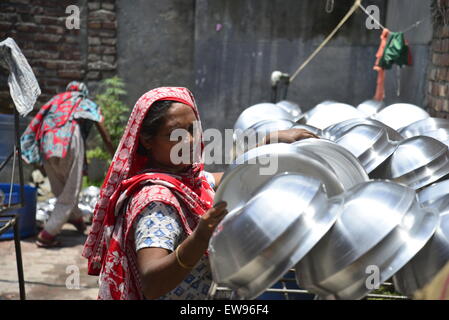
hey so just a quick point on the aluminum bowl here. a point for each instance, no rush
(434, 193)
(371, 107)
(254, 135)
(293, 108)
(400, 115)
(417, 162)
(257, 244)
(329, 113)
(260, 112)
(338, 130)
(254, 168)
(436, 128)
(428, 262)
(348, 169)
(380, 228)
(369, 144)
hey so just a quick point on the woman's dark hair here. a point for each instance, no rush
(153, 121)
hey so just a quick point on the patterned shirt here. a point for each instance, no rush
(159, 226)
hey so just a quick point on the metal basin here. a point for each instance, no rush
(400, 115)
(254, 168)
(258, 243)
(346, 166)
(428, 262)
(436, 128)
(260, 112)
(417, 162)
(292, 108)
(338, 130)
(434, 193)
(328, 113)
(380, 228)
(254, 135)
(370, 107)
(369, 144)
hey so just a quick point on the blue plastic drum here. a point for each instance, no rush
(27, 214)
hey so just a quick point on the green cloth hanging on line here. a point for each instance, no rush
(396, 52)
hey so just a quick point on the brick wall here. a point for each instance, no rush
(57, 54)
(438, 72)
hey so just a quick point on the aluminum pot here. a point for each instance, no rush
(260, 112)
(258, 243)
(292, 108)
(346, 166)
(371, 107)
(254, 168)
(417, 162)
(380, 229)
(400, 115)
(254, 135)
(435, 193)
(369, 144)
(328, 113)
(429, 260)
(436, 128)
(338, 130)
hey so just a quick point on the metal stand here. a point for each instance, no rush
(12, 220)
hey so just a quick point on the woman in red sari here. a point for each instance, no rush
(154, 218)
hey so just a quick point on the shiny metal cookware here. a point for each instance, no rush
(380, 229)
(260, 112)
(370, 107)
(432, 127)
(254, 168)
(400, 115)
(259, 242)
(429, 260)
(417, 162)
(346, 166)
(338, 130)
(369, 144)
(328, 113)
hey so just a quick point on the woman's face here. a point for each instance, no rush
(159, 146)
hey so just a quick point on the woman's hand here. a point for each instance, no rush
(289, 136)
(209, 221)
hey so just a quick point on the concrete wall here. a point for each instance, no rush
(155, 44)
(226, 50)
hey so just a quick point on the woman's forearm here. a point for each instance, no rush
(164, 273)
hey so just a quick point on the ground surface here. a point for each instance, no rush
(47, 271)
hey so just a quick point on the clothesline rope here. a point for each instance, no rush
(414, 25)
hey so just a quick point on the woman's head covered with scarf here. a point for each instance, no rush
(125, 177)
(78, 86)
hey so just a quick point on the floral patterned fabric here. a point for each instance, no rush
(159, 226)
(49, 133)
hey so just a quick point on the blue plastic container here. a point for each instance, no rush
(27, 215)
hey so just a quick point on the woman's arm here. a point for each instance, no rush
(161, 270)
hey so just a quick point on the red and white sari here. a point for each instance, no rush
(110, 247)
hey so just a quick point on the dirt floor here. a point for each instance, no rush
(50, 274)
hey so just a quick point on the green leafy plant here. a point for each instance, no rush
(115, 113)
